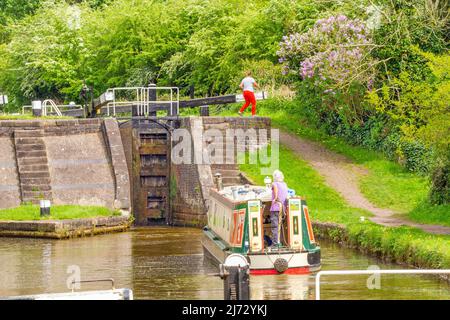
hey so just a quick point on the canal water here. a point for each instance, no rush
(167, 263)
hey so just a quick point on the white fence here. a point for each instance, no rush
(373, 272)
(141, 97)
(61, 108)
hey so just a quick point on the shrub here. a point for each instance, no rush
(440, 182)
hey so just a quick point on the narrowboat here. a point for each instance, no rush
(239, 222)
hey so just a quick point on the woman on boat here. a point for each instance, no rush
(279, 196)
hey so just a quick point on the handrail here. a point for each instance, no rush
(53, 106)
(65, 106)
(92, 281)
(375, 271)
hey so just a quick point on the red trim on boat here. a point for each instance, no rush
(299, 270)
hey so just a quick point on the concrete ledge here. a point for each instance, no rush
(51, 127)
(119, 163)
(64, 229)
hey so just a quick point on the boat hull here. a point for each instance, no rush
(294, 262)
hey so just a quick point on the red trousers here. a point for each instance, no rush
(249, 98)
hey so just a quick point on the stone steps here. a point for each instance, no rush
(30, 147)
(33, 168)
(32, 161)
(230, 172)
(227, 173)
(34, 174)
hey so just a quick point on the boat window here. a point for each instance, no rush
(295, 225)
(255, 227)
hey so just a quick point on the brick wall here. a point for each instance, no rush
(193, 181)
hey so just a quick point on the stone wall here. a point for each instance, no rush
(85, 160)
(190, 196)
(9, 179)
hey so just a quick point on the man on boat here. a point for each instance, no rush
(279, 196)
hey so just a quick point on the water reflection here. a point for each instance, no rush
(167, 263)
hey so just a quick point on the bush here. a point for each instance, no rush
(415, 156)
(440, 183)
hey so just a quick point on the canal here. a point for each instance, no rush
(167, 263)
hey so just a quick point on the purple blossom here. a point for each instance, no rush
(330, 51)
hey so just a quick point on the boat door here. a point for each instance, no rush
(255, 230)
(295, 223)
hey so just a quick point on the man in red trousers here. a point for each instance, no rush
(247, 85)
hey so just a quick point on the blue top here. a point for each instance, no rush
(282, 195)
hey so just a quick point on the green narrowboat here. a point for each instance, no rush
(238, 222)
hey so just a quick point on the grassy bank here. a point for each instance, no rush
(32, 212)
(388, 184)
(401, 245)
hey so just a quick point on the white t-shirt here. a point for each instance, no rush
(248, 84)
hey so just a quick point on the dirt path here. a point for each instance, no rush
(342, 175)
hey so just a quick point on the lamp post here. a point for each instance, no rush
(84, 95)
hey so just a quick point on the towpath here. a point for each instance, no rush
(342, 174)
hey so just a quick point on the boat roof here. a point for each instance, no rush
(238, 193)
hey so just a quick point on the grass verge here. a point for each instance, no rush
(401, 245)
(32, 212)
(388, 184)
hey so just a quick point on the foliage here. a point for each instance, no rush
(335, 51)
(43, 61)
(440, 182)
(387, 184)
(372, 71)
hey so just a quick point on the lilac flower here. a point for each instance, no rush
(330, 51)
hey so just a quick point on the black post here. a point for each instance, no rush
(192, 92)
(236, 282)
(152, 97)
(84, 96)
(204, 111)
(44, 208)
(91, 107)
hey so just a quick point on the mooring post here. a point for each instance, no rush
(235, 273)
(36, 108)
(44, 208)
(204, 111)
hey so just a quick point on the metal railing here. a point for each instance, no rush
(53, 107)
(142, 99)
(61, 107)
(372, 272)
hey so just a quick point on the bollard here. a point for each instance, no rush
(45, 208)
(36, 107)
(235, 273)
(219, 183)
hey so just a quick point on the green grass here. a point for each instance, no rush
(402, 245)
(32, 212)
(388, 184)
(324, 201)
